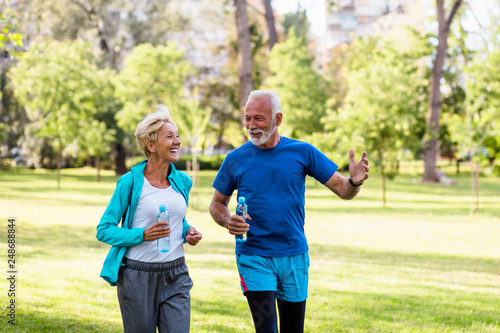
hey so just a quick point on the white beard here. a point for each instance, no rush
(265, 135)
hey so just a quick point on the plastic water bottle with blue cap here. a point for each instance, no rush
(163, 244)
(242, 210)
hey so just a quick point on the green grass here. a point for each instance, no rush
(421, 264)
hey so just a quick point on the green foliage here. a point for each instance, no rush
(63, 91)
(192, 121)
(152, 76)
(301, 89)
(480, 127)
(385, 103)
(297, 22)
(206, 162)
(10, 40)
(218, 96)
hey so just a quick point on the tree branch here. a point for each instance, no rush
(453, 12)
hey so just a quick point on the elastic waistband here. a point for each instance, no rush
(153, 267)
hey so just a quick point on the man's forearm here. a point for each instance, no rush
(349, 191)
(220, 213)
(341, 186)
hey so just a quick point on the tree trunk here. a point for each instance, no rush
(98, 167)
(103, 36)
(430, 145)
(120, 156)
(271, 27)
(382, 178)
(474, 187)
(244, 57)
(59, 162)
(196, 169)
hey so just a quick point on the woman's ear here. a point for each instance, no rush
(151, 146)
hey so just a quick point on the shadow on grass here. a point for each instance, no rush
(30, 322)
(45, 240)
(444, 263)
(369, 312)
(61, 239)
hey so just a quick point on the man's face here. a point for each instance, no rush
(259, 121)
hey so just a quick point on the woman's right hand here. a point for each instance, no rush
(156, 231)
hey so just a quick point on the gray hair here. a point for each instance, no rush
(147, 130)
(273, 98)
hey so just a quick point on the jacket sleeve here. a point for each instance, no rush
(185, 225)
(108, 230)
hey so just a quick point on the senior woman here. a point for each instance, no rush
(153, 287)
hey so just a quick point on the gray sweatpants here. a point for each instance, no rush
(155, 295)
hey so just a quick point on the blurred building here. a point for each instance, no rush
(350, 18)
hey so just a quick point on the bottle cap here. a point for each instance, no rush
(241, 199)
(162, 208)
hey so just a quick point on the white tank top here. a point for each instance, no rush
(145, 215)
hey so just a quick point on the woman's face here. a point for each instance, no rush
(167, 146)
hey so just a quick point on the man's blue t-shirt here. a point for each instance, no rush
(273, 184)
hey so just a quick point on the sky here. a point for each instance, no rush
(316, 11)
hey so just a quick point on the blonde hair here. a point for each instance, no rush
(147, 130)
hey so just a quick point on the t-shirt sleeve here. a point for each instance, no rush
(224, 182)
(320, 167)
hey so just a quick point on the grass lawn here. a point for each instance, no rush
(421, 264)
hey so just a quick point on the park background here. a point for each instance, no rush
(409, 254)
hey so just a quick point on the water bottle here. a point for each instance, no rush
(242, 210)
(163, 244)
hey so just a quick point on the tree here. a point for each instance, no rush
(430, 143)
(301, 89)
(114, 27)
(219, 97)
(57, 84)
(244, 57)
(100, 137)
(12, 116)
(297, 22)
(10, 40)
(151, 76)
(478, 130)
(271, 27)
(192, 120)
(384, 103)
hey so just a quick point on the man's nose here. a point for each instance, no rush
(251, 124)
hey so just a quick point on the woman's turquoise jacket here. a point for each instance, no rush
(123, 204)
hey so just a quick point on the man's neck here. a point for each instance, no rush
(272, 141)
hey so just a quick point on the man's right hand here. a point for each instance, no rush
(237, 225)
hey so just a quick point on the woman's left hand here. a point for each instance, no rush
(193, 236)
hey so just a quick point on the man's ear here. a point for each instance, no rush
(279, 118)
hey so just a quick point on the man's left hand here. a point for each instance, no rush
(358, 170)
